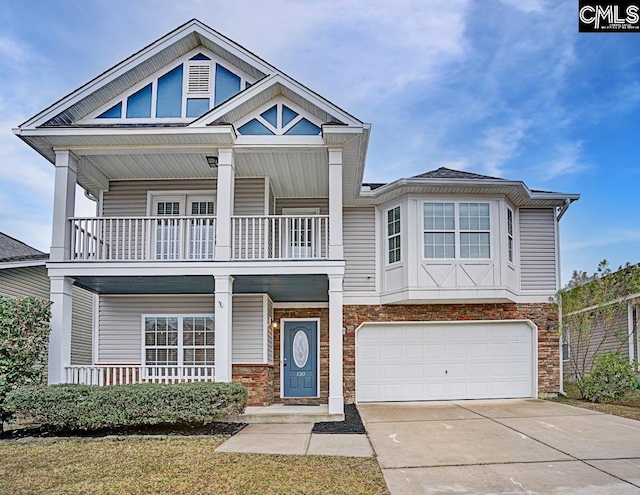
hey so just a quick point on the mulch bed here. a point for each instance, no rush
(152, 430)
(352, 423)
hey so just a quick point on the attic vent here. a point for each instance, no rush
(199, 78)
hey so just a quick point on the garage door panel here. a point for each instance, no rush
(411, 361)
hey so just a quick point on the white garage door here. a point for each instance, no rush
(442, 361)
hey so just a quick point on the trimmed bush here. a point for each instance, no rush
(83, 407)
(24, 336)
(612, 377)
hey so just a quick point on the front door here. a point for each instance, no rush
(300, 359)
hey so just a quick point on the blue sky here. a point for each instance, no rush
(499, 87)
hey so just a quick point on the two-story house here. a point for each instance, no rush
(235, 240)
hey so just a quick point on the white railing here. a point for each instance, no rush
(103, 375)
(142, 238)
(280, 237)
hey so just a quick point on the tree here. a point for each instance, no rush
(24, 339)
(594, 315)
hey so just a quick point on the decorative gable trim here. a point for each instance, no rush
(143, 64)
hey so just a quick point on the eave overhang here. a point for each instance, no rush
(516, 191)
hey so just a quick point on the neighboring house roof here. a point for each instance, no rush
(14, 250)
(447, 173)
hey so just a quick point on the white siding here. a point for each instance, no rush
(321, 203)
(359, 240)
(33, 281)
(248, 329)
(121, 320)
(120, 332)
(269, 331)
(129, 198)
(249, 197)
(537, 250)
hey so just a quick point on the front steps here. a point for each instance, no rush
(281, 413)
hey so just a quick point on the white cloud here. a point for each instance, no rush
(606, 237)
(567, 160)
(526, 6)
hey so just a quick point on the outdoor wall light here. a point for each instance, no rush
(551, 327)
(212, 161)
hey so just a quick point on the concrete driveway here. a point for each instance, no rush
(518, 446)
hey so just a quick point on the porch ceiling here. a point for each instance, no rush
(281, 288)
(291, 172)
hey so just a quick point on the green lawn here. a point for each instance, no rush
(627, 408)
(181, 465)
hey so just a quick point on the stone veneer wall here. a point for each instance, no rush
(264, 381)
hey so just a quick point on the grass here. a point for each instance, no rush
(627, 408)
(184, 465)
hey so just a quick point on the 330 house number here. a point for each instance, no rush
(300, 373)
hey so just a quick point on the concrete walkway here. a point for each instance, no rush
(503, 446)
(295, 439)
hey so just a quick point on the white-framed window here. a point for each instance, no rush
(178, 340)
(393, 235)
(510, 235)
(456, 230)
(439, 224)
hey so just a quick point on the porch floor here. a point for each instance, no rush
(281, 413)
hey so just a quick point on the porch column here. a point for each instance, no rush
(335, 204)
(224, 198)
(64, 200)
(224, 317)
(336, 398)
(60, 336)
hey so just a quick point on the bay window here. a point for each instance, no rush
(456, 230)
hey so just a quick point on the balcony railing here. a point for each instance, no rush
(280, 237)
(119, 375)
(272, 237)
(142, 238)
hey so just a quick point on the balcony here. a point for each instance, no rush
(269, 237)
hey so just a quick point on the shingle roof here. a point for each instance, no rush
(14, 250)
(447, 173)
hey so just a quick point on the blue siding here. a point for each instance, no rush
(200, 56)
(227, 84)
(271, 116)
(197, 106)
(287, 115)
(139, 104)
(170, 94)
(256, 128)
(304, 128)
(115, 112)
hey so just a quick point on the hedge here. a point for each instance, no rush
(83, 407)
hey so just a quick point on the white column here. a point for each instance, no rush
(335, 204)
(60, 336)
(336, 398)
(224, 199)
(64, 200)
(632, 356)
(224, 317)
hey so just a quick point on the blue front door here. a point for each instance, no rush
(300, 359)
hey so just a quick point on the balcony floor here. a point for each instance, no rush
(281, 288)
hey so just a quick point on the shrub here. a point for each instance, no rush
(83, 407)
(612, 377)
(24, 337)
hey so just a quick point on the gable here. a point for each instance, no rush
(180, 92)
(153, 58)
(279, 117)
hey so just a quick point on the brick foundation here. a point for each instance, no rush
(263, 381)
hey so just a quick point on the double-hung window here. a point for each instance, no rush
(510, 234)
(177, 341)
(456, 230)
(393, 234)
